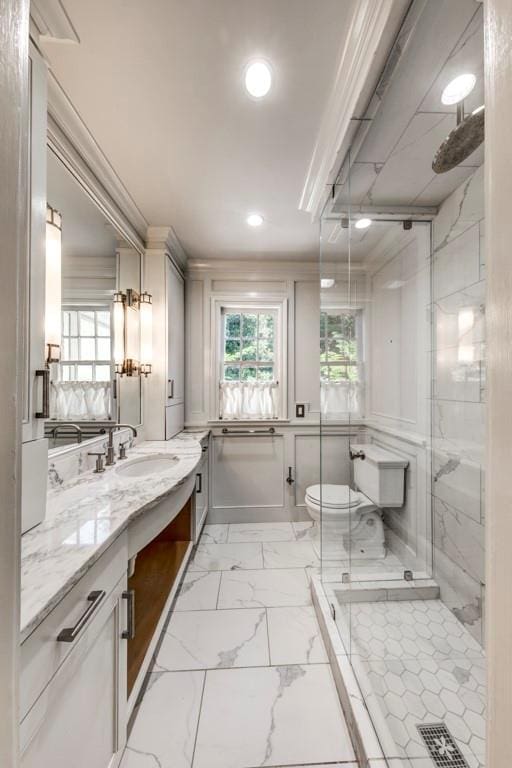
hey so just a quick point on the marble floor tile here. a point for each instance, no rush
(164, 730)
(289, 554)
(254, 589)
(226, 557)
(261, 532)
(251, 717)
(199, 591)
(305, 530)
(214, 639)
(294, 636)
(214, 534)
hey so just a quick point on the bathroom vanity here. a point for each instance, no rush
(98, 578)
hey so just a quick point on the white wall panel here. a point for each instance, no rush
(195, 378)
(335, 462)
(248, 474)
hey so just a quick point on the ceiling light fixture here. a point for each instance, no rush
(458, 89)
(363, 223)
(327, 282)
(258, 79)
(255, 220)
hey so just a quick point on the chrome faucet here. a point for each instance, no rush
(111, 455)
(67, 425)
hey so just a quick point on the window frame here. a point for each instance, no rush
(278, 306)
(107, 307)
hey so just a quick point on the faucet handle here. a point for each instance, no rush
(122, 450)
(100, 455)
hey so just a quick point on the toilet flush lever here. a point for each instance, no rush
(357, 455)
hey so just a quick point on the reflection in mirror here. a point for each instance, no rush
(85, 397)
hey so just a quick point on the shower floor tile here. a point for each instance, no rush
(405, 629)
(416, 663)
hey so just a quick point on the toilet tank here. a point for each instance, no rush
(380, 475)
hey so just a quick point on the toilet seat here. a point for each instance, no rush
(334, 496)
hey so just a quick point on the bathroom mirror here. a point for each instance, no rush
(96, 263)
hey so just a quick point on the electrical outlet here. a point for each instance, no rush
(300, 410)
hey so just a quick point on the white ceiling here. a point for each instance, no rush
(160, 86)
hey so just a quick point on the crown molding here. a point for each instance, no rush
(74, 144)
(264, 271)
(373, 25)
(166, 239)
(51, 21)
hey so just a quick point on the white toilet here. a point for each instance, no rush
(351, 520)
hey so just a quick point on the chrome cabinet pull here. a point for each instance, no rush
(44, 373)
(199, 483)
(290, 479)
(70, 634)
(129, 633)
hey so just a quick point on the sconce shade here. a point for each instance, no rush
(146, 332)
(118, 312)
(53, 303)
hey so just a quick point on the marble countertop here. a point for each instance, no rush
(84, 516)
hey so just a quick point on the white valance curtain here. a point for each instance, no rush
(341, 400)
(246, 400)
(80, 400)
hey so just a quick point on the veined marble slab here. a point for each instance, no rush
(199, 591)
(214, 640)
(252, 589)
(164, 731)
(261, 532)
(294, 636)
(226, 557)
(84, 516)
(271, 716)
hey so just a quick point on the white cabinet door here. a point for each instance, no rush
(34, 351)
(175, 335)
(79, 719)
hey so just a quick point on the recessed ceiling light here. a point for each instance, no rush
(254, 220)
(327, 282)
(258, 79)
(458, 89)
(363, 223)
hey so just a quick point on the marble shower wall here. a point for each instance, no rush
(459, 402)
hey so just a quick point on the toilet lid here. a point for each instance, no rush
(334, 496)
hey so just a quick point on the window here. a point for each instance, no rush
(86, 344)
(250, 359)
(339, 346)
(249, 346)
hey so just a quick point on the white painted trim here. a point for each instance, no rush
(52, 21)
(359, 67)
(166, 239)
(71, 140)
(498, 192)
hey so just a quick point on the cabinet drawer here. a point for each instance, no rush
(78, 718)
(41, 653)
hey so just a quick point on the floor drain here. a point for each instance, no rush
(441, 746)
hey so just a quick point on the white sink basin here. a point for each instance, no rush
(147, 465)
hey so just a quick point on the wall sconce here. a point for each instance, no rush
(132, 333)
(53, 305)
